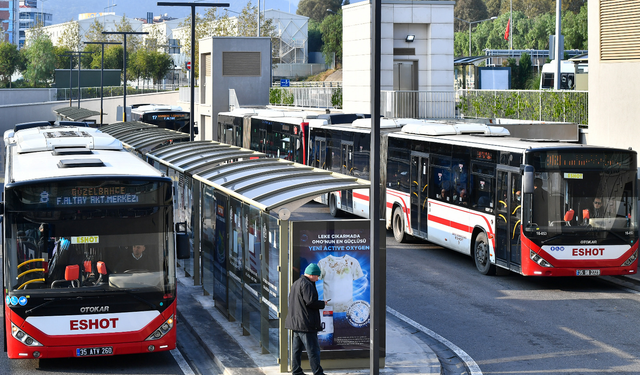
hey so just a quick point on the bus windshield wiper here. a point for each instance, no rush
(50, 301)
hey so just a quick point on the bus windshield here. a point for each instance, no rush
(122, 244)
(592, 204)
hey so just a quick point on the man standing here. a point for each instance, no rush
(303, 319)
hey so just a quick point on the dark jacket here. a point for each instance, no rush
(304, 307)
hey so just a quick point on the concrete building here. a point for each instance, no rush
(614, 82)
(31, 16)
(9, 20)
(416, 49)
(108, 20)
(168, 41)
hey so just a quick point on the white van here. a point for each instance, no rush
(567, 76)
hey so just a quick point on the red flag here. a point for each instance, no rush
(506, 32)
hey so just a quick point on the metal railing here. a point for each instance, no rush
(418, 104)
(537, 105)
(94, 92)
(314, 97)
(276, 83)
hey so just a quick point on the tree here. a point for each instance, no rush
(40, 59)
(317, 9)
(315, 36)
(468, 10)
(113, 56)
(62, 60)
(94, 33)
(133, 41)
(163, 64)
(331, 28)
(575, 29)
(70, 37)
(9, 61)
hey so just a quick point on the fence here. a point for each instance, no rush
(94, 92)
(418, 104)
(540, 105)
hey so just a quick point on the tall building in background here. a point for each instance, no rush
(9, 20)
(31, 16)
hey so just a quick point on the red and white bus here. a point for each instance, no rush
(88, 247)
(522, 205)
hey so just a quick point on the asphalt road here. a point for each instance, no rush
(512, 324)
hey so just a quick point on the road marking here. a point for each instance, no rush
(186, 369)
(474, 369)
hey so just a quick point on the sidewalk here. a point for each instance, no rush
(237, 354)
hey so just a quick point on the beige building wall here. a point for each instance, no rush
(614, 90)
(432, 24)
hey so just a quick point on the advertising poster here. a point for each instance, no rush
(341, 250)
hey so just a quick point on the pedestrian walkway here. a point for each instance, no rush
(240, 355)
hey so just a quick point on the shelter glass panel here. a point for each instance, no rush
(236, 249)
(252, 271)
(270, 285)
(207, 238)
(220, 265)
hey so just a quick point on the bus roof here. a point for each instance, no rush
(58, 152)
(157, 108)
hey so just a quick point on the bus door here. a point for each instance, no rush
(508, 217)
(262, 143)
(320, 154)
(419, 190)
(347, 169)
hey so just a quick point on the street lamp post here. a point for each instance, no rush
(124, 64)
(101, 76)
(193, 49)
(470, 24)
(70, 54)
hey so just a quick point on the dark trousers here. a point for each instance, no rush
(308, 341)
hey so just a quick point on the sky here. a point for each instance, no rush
(67, 10)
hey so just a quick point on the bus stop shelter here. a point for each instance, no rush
(74, 114)
(142, 137)
(247, 250)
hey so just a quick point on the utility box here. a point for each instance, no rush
(239, 63)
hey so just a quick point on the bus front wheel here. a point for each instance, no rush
(333, 206)
(398, 226)
(481, 255)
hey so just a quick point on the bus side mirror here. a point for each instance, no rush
(183, 249)
(527, 180)
(182, 246)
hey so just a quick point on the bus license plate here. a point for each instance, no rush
(86, 352)
(587, 272)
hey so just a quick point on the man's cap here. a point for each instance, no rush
(312, 269)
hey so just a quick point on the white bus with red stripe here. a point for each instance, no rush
(522, 205)
(76, 208)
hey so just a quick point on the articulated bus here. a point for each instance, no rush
(523, 205)
(164, 116)
(280, 134)
(88, 247)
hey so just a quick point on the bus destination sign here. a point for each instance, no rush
(90, 196)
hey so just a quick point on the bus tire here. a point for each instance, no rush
(397, 224)
(333, 206)
(481, 255)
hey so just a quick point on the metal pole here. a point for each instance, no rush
(469, 39)
(79, 92)
(511, 24)
(556, 77)
(191, 75)
(377, 308)
(124, 96)
(101, 78)
(193, 41)
(70, 90)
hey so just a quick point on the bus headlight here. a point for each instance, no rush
(21, 336)
(538, 259)
(162, 330)
(631, 259)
